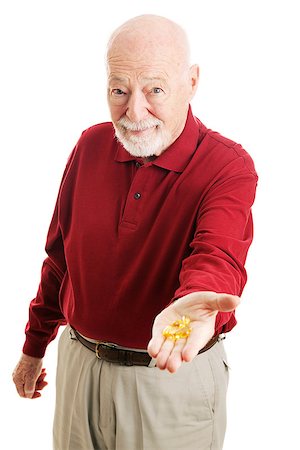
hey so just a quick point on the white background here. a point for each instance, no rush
(53, 86)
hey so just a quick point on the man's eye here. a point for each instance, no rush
(117, 92)
(156, 90)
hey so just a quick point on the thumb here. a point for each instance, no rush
(29, 386)
(225, 302)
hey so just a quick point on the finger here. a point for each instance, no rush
(155, 345)
(41, 385)
(175, 359)
(38, 388)
(20, 389)
(29, 393)
(42, 376)
(196, 341)
(164, 353)
(36, 395)
(29, 387)
(158, 339)
(167, 316)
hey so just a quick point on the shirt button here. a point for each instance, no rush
(138, 165)
(137, 196)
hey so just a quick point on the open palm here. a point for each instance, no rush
(202, 309)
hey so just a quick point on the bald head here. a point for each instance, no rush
(150, 83)
(151, 36)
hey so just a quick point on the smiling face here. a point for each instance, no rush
(150, 84)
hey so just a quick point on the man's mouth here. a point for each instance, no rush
(144, 132)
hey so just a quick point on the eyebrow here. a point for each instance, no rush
(119, 79)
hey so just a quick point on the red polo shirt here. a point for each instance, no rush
(128, 238)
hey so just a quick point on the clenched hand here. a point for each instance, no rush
(29, 376)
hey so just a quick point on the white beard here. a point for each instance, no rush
(142, 146)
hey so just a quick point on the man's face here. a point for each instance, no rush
(148, 97)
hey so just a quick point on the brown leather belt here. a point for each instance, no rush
(113, 354)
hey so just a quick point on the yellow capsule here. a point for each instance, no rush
(180, 329)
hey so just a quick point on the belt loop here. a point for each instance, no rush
(221, 337)
(128, 359)
(152, 363)
(72, 335)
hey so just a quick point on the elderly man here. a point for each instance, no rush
(152, 226)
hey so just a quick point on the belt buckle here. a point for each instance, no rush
(105, 344)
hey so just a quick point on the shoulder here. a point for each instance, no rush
(94, 141)
(224, 151)
(98, 133)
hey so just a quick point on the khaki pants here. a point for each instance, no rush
(105, 406)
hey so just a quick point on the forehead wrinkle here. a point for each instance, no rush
(122, 61)
(156, 60)
(142, 76)
(151, 78)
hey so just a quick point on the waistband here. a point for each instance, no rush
(123, 356)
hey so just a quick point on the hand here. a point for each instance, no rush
(29, 377)
(202, 309)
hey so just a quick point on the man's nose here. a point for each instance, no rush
(137, 107)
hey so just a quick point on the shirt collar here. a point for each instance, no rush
(177, 156)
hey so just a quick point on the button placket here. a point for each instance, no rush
(135, 197)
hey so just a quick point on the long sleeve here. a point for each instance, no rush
(45, 315)
(223, 235)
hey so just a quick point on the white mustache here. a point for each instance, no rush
(138, 126)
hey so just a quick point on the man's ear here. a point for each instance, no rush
(194, 73)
